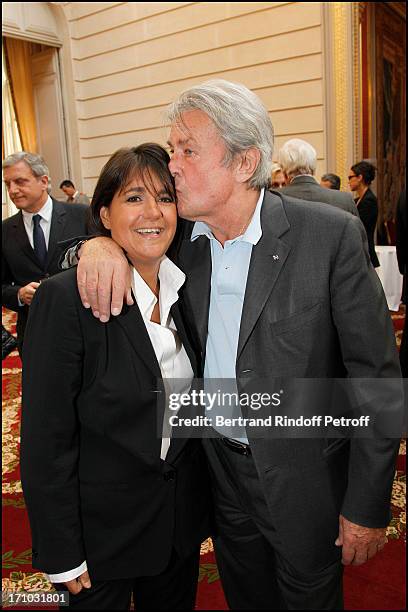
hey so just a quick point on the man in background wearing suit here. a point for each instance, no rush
(30, 250)
(74, 195)
(276, 287)
(330, 181)
(298, 161)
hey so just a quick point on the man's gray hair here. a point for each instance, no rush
(297, 157)
(36, 162)
(240, 117)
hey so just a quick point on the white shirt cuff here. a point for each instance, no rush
(71, 575)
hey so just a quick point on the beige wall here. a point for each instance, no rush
(130, 59)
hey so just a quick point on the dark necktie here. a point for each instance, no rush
(40, 248)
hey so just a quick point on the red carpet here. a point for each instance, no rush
(378, 585)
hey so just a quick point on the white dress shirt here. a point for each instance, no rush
(171, 355)
(45, 223)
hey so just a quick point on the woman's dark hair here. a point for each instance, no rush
(366, 170)
(147, 161)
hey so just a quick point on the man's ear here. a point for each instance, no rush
(44, 182)
(248, 162)
(105, 217)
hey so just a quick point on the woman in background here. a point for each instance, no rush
(277, 177)
(361, 176)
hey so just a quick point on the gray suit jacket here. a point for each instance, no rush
(313, 308)
(307, 188)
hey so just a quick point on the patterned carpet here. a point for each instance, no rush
(378, 585)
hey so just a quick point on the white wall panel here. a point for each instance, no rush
(130, 59)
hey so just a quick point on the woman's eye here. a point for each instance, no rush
(166, 200)
(133, 199)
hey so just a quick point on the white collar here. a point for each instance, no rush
(45, 212)
(171, 279)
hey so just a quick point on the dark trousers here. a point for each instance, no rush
(173, 589)
(250, 556)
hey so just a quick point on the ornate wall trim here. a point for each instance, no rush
(343, 86)
(357, 82)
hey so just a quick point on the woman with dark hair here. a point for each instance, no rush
(360, 178)
(116, 505)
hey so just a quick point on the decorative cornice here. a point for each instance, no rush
(22, 20)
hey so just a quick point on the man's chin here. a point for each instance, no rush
(184, 211)
(19, 203)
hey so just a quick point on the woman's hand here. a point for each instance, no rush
(103, 276)
(75, 586)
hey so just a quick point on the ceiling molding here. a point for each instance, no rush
(33, 21)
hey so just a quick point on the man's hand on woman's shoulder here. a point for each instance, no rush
(104, 277)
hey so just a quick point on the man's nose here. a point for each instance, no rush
(12, 187)
(174, 165)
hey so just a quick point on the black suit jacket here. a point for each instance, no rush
(368, 211)
(20, 265)
(94, 484)
(307, 188)
(313, 308)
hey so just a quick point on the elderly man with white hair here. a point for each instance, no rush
(276, 287)
(298, 162)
